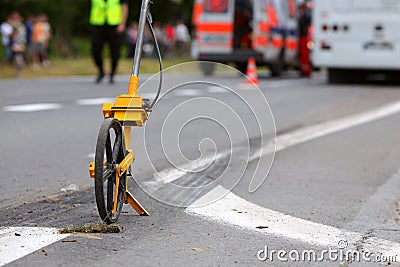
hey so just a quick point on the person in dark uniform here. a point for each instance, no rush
(108, 18)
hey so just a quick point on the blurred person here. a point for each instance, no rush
(243, 31)
(304, 53)
(38, 37)
(182, 36)
(131, 37)
(108, 18)
(160, 36)
(19, 28)
(148, 47)
(6, 30)
(44, 55)
(17, 42)
(17, 45)
(29, 25)
(170, 38)
(170, 33)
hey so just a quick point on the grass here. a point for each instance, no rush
(101, 228)
(84, 66)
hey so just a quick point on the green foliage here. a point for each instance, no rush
(70, 19)
(67, 17)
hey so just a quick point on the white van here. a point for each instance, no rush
(354, 37)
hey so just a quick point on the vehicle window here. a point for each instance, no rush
(216, 6)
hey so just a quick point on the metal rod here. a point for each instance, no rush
(140, 37)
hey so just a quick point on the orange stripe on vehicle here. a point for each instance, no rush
(291, 44)
(261, 41)
(264, 27)
(197, 11)
(277, 42)
(273, 18)
(215, 27)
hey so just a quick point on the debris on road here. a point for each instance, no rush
(69, 241)
(238, 211)
(101, 228)
(71, 187)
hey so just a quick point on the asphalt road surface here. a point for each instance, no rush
(333, 185)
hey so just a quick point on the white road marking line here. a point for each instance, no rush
(17, 242)
(94, 101)
(148, 95)
(234, 210)
(170, 175)
(378, 211)
(101, 100)
(32, 107)
(188, 92)
(306, 134)
(217, 90)
(245, 86)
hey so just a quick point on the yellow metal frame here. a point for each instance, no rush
(127, 109)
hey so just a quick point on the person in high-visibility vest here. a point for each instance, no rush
(108, 18)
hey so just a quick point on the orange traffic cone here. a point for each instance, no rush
(251, 72)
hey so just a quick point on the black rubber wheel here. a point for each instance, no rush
(208, 68)
(242, 67)
(346, 76)
(110, 148)
(276, 69)
(337, 76)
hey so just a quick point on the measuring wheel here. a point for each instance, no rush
(109, 187)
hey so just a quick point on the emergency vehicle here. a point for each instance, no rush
(354, 38)
(232, 31)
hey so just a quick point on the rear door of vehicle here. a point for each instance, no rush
(261, 26)
(291, 34)
(215, 27)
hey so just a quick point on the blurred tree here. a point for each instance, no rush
(70, 17)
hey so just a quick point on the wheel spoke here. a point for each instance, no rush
(110, 194)
(108, 149)
(116, 148)
(107, 174)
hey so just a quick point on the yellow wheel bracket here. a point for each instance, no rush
(91, 170)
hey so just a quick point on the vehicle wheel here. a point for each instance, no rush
(276, 69)
(110, 151)
(242, 67)
(341, 76)
(334, 76)
(393, 77)
(208, 68)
